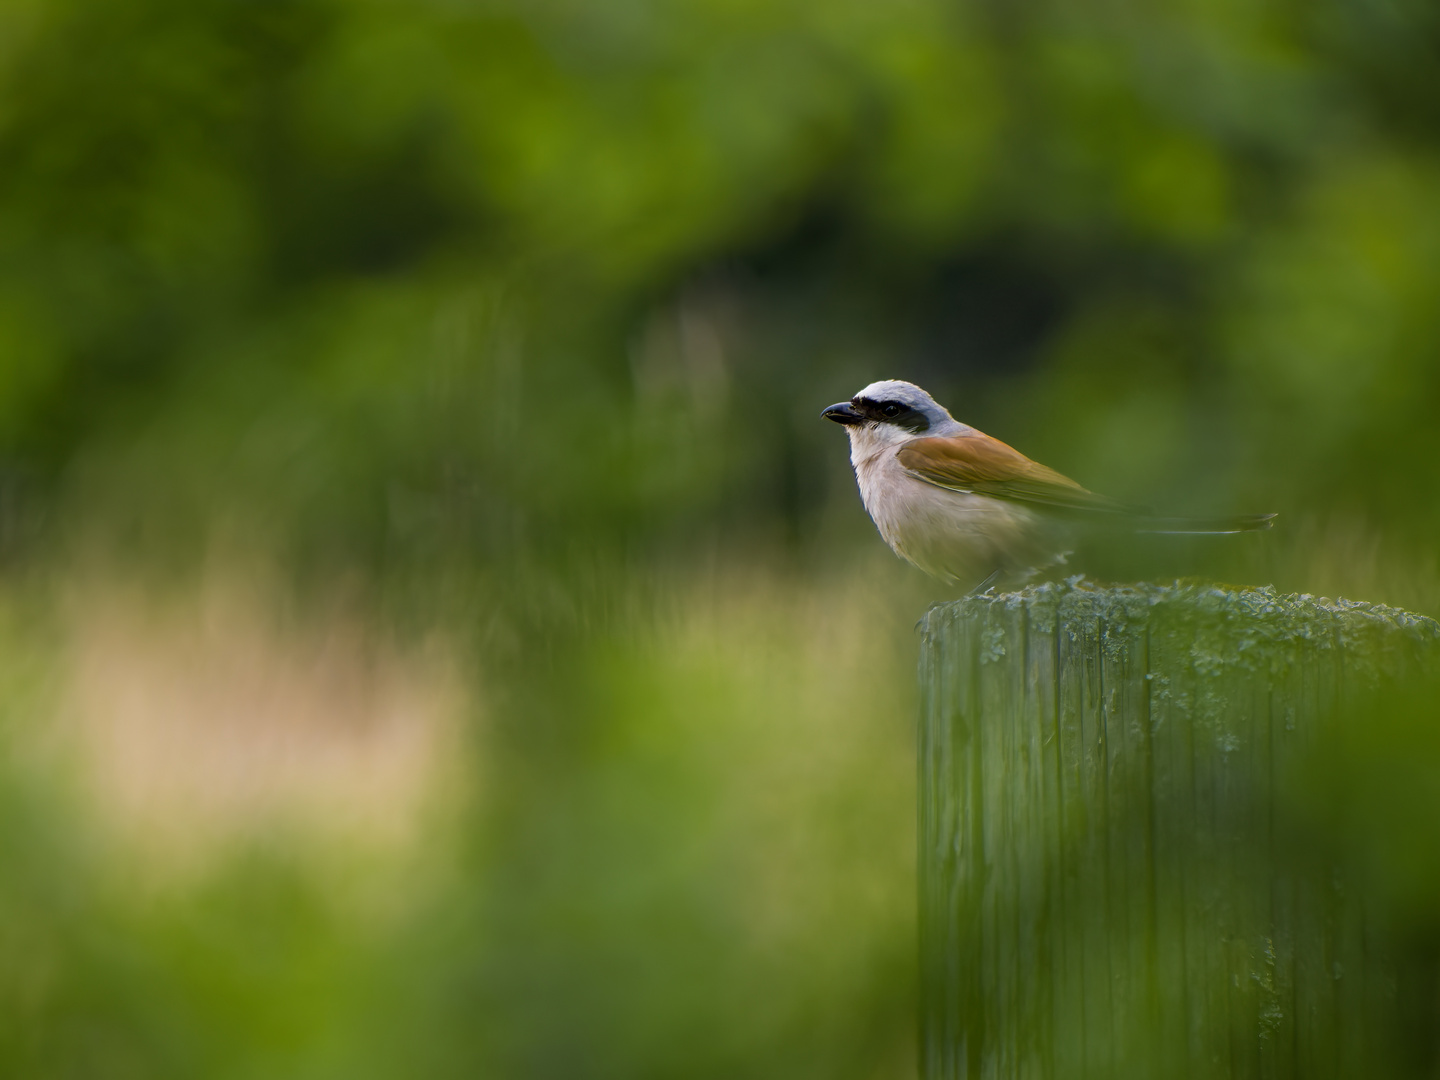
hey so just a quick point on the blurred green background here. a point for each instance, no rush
(440, 637)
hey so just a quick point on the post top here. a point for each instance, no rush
(1248, 617)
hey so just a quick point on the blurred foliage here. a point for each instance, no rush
(514, 319)
(353, 258)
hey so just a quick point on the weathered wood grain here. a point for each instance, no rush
(1105, 887)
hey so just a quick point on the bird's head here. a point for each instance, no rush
(891, 410)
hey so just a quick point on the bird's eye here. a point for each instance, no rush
(891, 409)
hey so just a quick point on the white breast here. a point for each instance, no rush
(958, 536)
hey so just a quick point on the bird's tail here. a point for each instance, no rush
(1203, 526)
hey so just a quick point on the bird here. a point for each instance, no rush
(965, 507)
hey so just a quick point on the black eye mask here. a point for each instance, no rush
(892, 412)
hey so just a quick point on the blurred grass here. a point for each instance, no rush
(496, 332)
(239, 889)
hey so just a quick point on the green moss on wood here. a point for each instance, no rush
(1108, 884)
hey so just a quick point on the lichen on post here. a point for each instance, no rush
(1108, 887)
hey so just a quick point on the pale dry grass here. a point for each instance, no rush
(190, 724)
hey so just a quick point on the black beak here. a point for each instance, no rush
(843, 413)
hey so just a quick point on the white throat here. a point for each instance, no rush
(868, 440)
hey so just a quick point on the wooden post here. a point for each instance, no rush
(1107, 889)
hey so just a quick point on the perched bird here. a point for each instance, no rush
(967, 508)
